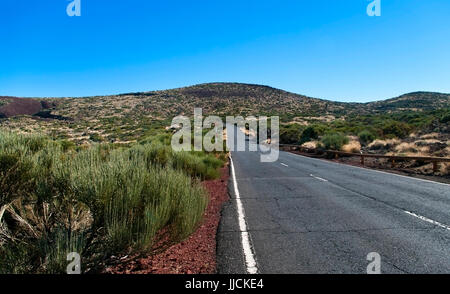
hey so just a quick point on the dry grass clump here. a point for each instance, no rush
(447, 151)
(445, 168)
(299, 120)
(406, 147)
(383, 144)
(352, 147)
(430, 136)
(412, 154)
(426, 142)
(310, 144)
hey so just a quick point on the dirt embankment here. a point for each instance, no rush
(195, 255)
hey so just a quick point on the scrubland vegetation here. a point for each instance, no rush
(406, 133)
(126, 118)
(98, 200)
(367, 128)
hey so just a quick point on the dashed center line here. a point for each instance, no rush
(428, 220)
(318, 178)
(284, 164)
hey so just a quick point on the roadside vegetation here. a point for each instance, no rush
(367, 128)
(334, 141)
(97, 200)
(405, 133)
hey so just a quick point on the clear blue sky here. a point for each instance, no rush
(322, 48)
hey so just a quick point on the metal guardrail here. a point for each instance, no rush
(391, 158)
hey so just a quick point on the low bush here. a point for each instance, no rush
(67, 145)
(395, 129)
(96, 201)
(334, 141)
(445, 118)
(291, 134)
(196, 166)
(96, 138)
(309, 134)
(352, 147)
(366, 137)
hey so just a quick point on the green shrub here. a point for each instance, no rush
(154, 153)
(334, 141)
(96, 138)
(313, 132)
(397, 129)
(96, 201)
(195, 165)
(67, 145)
(309, 134)
(212, 161)
(445, 118)
(366, 137)
(162, 138)
(291, 135)
(16, 177)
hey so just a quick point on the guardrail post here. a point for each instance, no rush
(435, 166)
(362, 160)
(336, 155)
(392, 163)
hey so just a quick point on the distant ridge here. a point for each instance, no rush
(220, 99)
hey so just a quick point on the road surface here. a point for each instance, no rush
(310, 216)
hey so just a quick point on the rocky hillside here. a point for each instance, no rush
(217, 98)
(125, 117)
(417, 101)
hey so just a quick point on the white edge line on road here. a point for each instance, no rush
(318, 178)
(250, 259)
(428, 220)
(369, 169)
(284, 164)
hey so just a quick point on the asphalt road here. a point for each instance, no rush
(310, 216)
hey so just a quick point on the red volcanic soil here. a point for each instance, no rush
(195, 255)
(20, 106)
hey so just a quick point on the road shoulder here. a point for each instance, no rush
(230, 257)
